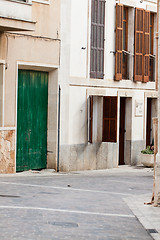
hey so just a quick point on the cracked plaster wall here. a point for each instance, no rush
(7, 151)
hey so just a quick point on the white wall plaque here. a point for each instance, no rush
(138, 109)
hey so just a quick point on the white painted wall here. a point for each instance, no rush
(80, 37)
(77, 115)
(18, 10)
(64, 71)
(75, 71)
(79, 21)
(137, 121)
(109, 57)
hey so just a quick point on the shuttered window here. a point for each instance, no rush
(97, 39)
(142, 63)
(139, 28)
(146, 45)
(142, 42)
(152, 57)
(119, 41)
(121, 57)
(125, 44)
(109, 119)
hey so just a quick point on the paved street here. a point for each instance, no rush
(79, 205)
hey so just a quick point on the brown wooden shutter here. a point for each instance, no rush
(138, 56)
(146, 45)
(97, 39)
(90, 118)
(109, 119)
(119, 42)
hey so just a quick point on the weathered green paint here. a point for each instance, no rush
(32, 120)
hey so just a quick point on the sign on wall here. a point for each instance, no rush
(138, 109)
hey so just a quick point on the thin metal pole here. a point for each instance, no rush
(157, 36)
(59, 109)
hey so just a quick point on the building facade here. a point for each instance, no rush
(29, 62)
(107, 79)
(78, 84)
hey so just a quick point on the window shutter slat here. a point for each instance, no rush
(146, 45)
(119, 42)
(138, 57)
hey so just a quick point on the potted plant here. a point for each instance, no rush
(147, 156)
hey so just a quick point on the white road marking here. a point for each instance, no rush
(119, 181)
(69, 211)
(67, 188)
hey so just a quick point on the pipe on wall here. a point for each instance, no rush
(59, 110)
(157, 36)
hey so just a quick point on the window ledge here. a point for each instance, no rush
(16, 9)
(27, 2)
(12, 24)
(47, 2)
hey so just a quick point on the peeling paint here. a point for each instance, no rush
(7, 151)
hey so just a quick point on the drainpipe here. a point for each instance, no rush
(157, 164)
(59, 109)
(157, 45)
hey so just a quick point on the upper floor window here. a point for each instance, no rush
(143, 45)
(120, 61)
(142, 34)
(125, 44)
(97, 39)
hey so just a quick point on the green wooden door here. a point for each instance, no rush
(32, 120)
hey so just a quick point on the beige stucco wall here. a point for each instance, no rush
(23, 49)
(47, 17)
(15, 9)
(39, 47)
(37, 50)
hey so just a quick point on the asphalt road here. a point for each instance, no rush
(79, 205)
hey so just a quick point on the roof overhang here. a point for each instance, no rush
(12, 24)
